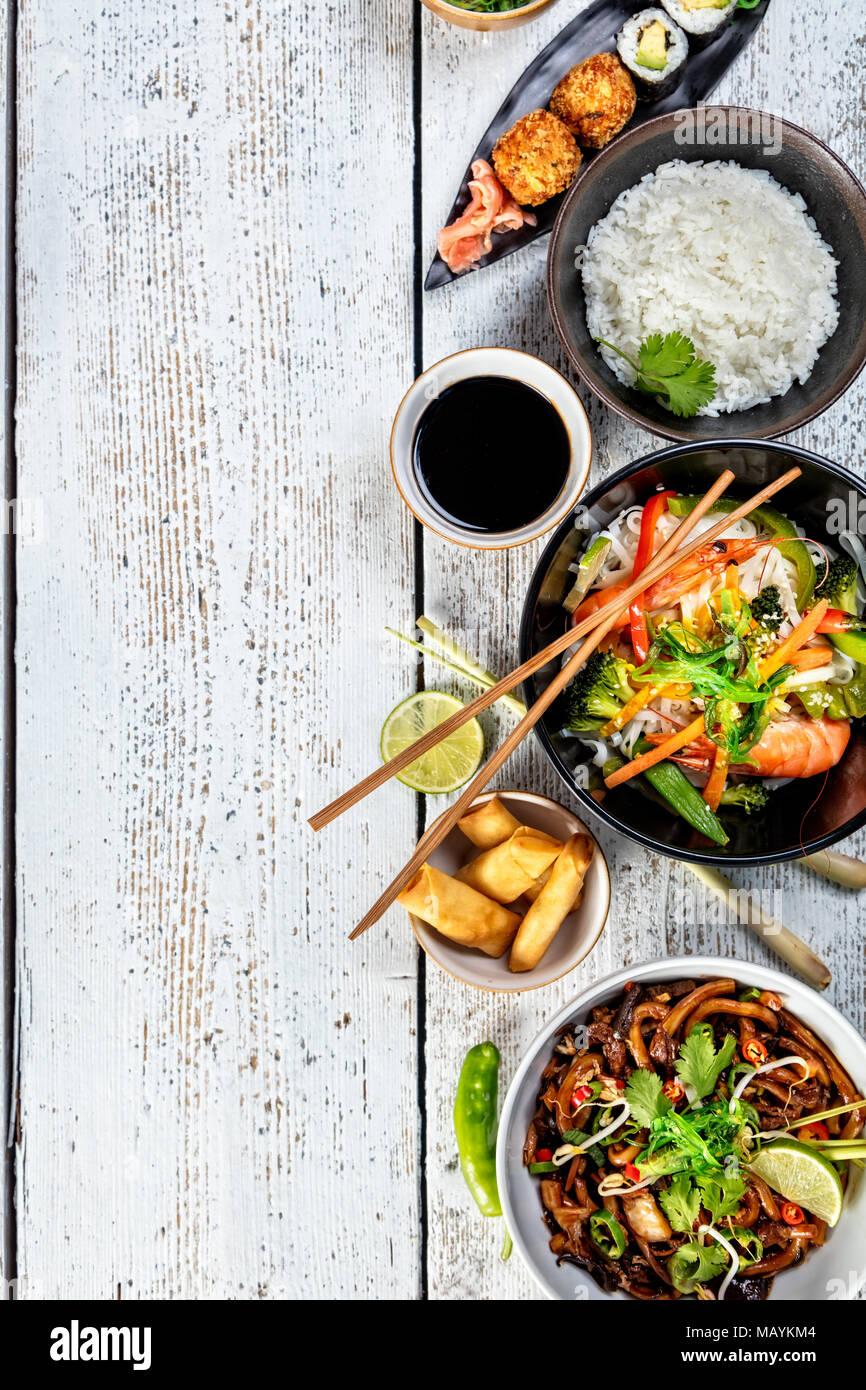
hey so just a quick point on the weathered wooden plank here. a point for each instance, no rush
(465, 76)
(7, 967)
(218, 1092)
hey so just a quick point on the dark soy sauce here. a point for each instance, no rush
(491, 453)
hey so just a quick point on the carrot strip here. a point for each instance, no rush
(644, 697)
(657, 754)
(810, 658)
(798, 638)
(716, 780)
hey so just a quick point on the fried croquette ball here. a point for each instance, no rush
(595, 100)
(537, 158)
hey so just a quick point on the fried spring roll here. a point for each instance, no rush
(488, 825)
(553, 904)
(459, 912)
(535, 888)
(506, 871)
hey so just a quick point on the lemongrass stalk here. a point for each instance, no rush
(473, 668)
(840, 868)
(435, 656)
(859, 1104)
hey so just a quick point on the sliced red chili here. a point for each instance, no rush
(815, 1129)
(581, 1094)
(620, 1085)
(674, 1091)
(543, 1155)
(791, 1213)
(755, 1052)
(652, 511)
(632, 1172)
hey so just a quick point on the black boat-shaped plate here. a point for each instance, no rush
(593, 31)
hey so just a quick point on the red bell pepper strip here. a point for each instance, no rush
(650, 516)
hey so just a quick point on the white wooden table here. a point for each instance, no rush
(219, 243)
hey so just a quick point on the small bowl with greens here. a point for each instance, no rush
(691, 1129)
(487, 14)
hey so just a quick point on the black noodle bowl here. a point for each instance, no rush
(808, 813)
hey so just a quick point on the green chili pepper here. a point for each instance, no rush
(606, 1232)
(676, 789)
(475, 1125)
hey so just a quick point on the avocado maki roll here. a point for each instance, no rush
(654, 50)
(701, 20)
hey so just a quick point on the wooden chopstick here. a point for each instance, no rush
(567, 639)
(669, 555)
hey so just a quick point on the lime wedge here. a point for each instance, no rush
(450, 763)
(801, 1175)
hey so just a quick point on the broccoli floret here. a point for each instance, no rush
(749, 796)
(837, 583)
(767, 609)
(597, 693)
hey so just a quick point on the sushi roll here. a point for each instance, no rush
(654, 50)
(701, 20)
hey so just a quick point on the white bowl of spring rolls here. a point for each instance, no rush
(515, 897)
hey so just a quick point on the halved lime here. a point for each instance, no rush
(801, 1175)
(450, 763)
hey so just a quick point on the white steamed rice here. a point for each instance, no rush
(725, 255)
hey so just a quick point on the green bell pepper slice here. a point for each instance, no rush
(675, 788)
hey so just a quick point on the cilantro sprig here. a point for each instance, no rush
(699, 1064)
(668, 366)
(647, 1101)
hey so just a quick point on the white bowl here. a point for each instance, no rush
(575, 938)
(836, 1270)
(490, 361)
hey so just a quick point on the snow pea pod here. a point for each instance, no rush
(475, 1125)
(676, 789)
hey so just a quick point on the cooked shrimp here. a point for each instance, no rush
(789, 747)
(709, 561)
